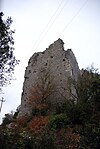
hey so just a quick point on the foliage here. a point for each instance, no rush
(22, 121)
(39, 93)
(37, 124)
(73, 125)
(7, 58)
(86, 105)
(67, 139)
(7, 119)
(40, 109)
(58, 121)
(72, 139)
(91, 135)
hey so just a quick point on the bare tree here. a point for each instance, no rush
(41, 90)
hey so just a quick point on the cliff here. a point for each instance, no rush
(46, 77)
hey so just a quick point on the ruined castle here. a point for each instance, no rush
(48, 73)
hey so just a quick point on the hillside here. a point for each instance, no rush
(73, 125)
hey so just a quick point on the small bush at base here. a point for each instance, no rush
(58, 121)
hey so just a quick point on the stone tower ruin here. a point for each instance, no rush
(48, 71)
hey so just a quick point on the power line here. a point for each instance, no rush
(45, 31)
(42, 33)
(49, 22)
(76, 14)
(40, 38)
(48, 26)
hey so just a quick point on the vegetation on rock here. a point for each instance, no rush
(74, 125)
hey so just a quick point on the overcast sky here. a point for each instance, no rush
(38, 23)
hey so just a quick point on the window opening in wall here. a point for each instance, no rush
(26, 77)
(29, 71)
(34, 71)
(46, 64)
(72, 72)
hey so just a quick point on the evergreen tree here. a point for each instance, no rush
(7, 58)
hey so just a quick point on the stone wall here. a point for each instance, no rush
(59, 65)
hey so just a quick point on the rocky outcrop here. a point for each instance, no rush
(49, 70)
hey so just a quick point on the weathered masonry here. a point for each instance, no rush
(49, 69)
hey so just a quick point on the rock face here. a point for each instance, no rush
(48, 71)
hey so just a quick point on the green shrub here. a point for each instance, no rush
(91, 136)
(59, 121)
